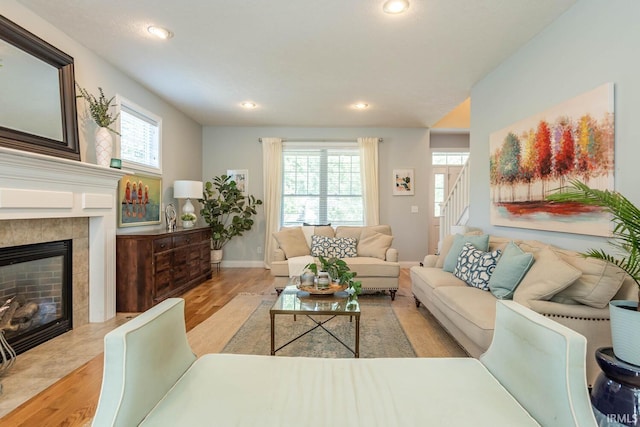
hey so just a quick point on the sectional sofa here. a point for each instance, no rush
(367, 251)
(559, 284)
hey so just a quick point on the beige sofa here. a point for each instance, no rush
(560, 284)
(374, 260)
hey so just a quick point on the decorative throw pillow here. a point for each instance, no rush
(339, 247)
(475, 267)
(598, 284)
(547, 276)
(291, 241)
(374, 244)
(511, 268)
(480, 242)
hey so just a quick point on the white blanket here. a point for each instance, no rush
(297, 264)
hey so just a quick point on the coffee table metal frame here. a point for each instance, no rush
(289, 302)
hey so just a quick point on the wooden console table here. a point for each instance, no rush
(155, 265)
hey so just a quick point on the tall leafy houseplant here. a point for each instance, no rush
(626, 220)
(624, 315)
(99, 108)
(227, 211)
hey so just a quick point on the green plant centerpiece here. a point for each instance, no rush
(226, 210)
(339, 272)
(99, 108)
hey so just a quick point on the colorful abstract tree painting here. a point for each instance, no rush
(540, 154)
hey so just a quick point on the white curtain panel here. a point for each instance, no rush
(370, 184)
(272, 181)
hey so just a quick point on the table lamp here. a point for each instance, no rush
(187, 190)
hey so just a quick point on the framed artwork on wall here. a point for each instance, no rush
(241, 177)
(139, 200)
(541, 154)
(403, 182)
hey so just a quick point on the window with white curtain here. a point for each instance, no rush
(140, 137)
(321, 184)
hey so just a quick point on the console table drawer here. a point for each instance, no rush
(160, 245)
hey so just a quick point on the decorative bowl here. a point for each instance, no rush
(332, 289)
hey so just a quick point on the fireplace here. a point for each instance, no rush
(41, 195)
(35, 292)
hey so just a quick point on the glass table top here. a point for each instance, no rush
(294, 301)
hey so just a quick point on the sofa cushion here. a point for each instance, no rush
(547, 276)
(328, 247)
(373, 267)
(510, 270)
(471, 310)
(374, 244)
(446, 246)
(598, 284)
(475, 267)
(435, 277)
(478, 241)
(291, 240)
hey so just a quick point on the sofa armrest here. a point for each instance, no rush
(430, 261)
(278, 255)
(391, 255)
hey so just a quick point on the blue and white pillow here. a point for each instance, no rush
(475, 267)
(339, 247)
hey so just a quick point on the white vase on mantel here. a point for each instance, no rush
(104, 146)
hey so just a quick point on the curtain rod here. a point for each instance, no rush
(319, 140)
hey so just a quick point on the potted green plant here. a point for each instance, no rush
(188, 219)
(625, 319)
(338, 271)
(227, 211)
(100, 111)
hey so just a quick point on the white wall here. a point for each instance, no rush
(182, 137)
(238, 148)
(592, 43)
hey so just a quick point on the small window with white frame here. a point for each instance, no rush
(140, 137)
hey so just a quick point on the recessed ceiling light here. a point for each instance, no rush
(395, 6)
(249, 105)
(161, 33)
(360, 105)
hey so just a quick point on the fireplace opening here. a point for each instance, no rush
(35, 293)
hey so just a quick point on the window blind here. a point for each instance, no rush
(321, 185)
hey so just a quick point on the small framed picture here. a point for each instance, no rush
(241, 177)
(403, 182)
(139, 200)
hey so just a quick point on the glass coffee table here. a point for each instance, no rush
(296, 302)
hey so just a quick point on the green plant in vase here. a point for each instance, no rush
(339, 271)
(99, 108)
(227, 211)
(625, 216)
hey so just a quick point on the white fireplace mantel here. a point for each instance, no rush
(39, 186)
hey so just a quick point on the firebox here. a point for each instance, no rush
(35, 293)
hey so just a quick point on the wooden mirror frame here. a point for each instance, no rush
(69, 147)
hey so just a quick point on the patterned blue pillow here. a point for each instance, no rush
(339, 247)
(475, 267)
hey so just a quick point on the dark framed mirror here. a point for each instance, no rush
(38, 107)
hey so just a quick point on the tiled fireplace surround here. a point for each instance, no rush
(44, 199)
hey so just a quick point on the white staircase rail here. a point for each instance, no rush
(454, 210)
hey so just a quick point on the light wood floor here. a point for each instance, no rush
(72, 400)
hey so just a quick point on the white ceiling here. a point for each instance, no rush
(305, 62)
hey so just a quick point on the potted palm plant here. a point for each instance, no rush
(625, 319)
(227, 212)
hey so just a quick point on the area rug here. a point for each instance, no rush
(381, 334)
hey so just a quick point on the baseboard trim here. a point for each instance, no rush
(241, 264)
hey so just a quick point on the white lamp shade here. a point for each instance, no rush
(187, 189)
